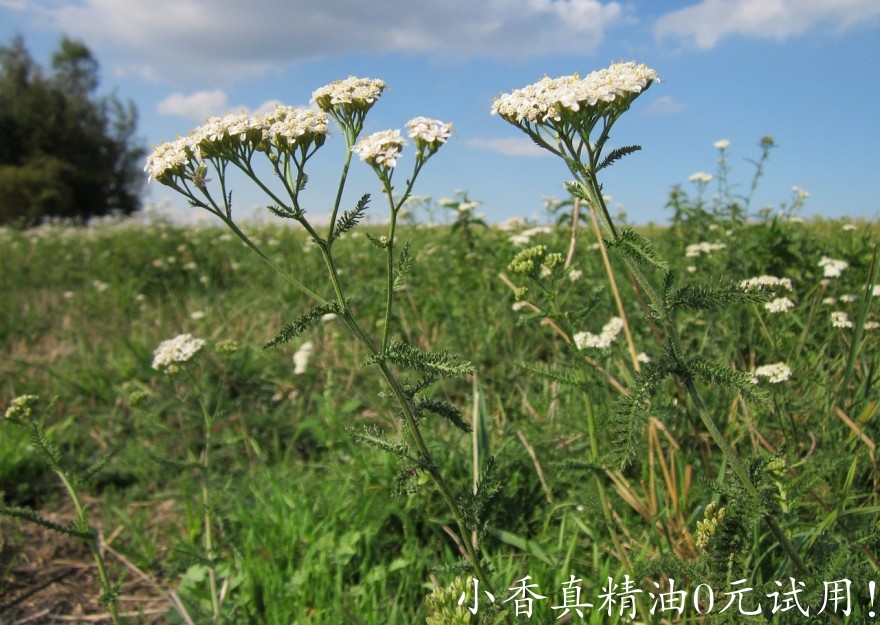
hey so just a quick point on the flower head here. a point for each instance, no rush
(21, 408)
(832, 267)
(610, 330)
(552, 98)
(775, 373)
(301, 358)
(840, 319)
(779, 305)
(380, 149)
(351, 94)
(175, 351)
(701, 177)
(428, 134)
(766, 281)
(722, 144)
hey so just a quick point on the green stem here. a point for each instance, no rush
(83, 519)
(732, 457)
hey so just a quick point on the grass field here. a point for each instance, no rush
(307, 523)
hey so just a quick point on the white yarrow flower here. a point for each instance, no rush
(840, 319)
(380, 149)
(704, 247)
(301, 358)
(766, 281)
(832, 266)
(722, 144)
(175, 351)
(610, 331)
(701, 177)
(775, 373)
(779, 305)
(353, 92)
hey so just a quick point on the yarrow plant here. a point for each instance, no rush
(572, 118)
(196, 166)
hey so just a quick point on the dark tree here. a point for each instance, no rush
(64, 151)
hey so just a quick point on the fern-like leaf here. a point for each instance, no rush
(617, 154)
(709, 297)
(440, 364)
(26, 514)
(372, 436)
(302, 323)
(634, 246)
(711, 372)
(352, 218)
(404, 265)
(445, 409)
(569, 377)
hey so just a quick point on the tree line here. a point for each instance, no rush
(65, 150)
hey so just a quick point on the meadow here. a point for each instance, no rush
(387, 420)
(312, 526)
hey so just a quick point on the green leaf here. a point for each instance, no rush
(26, 514)
(569, 377)
(404, 265)
(445, 409)
(305, 321)
(617, 154)
(441, 364)
(350, 219)
(709, 297)
(634, 246)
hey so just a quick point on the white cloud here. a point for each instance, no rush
(663, 106)
(188, 39)
(198, 106)
(508, 146)
(704, 24)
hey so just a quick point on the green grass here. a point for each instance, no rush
(307, 522)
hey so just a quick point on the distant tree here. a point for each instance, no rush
(64, 151)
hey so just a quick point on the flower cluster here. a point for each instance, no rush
(380, 149)
(351, 93)
(175, 351)
(428, 134)
(551, 98)
(779, 305)
(704, 247)
(282, 129)
(701, 177)
(21, 408)
(840, 319)
(609, 334)
(832, 267)
(775, 373)
(766, 281)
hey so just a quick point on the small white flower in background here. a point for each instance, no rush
(301, 358)
(849, 227)
(779, 305)
(329, 317)
(722, 144)
(701, 177)
(770, 281)
(190, 266)
(848, 298)
(100, 287)
(602, 341)
(643, 357)
(691, 269)
(875, 290)
(68, 294)
(840, 319)
(175, 351)
(197, 314)
(829, 301)
(832, 266)
(575, 274)
(518, 306)
(381, 149)
(872, 325)
(800, 193)
(704, 247)
(775, 373)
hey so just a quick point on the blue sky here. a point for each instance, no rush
(803, 71)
